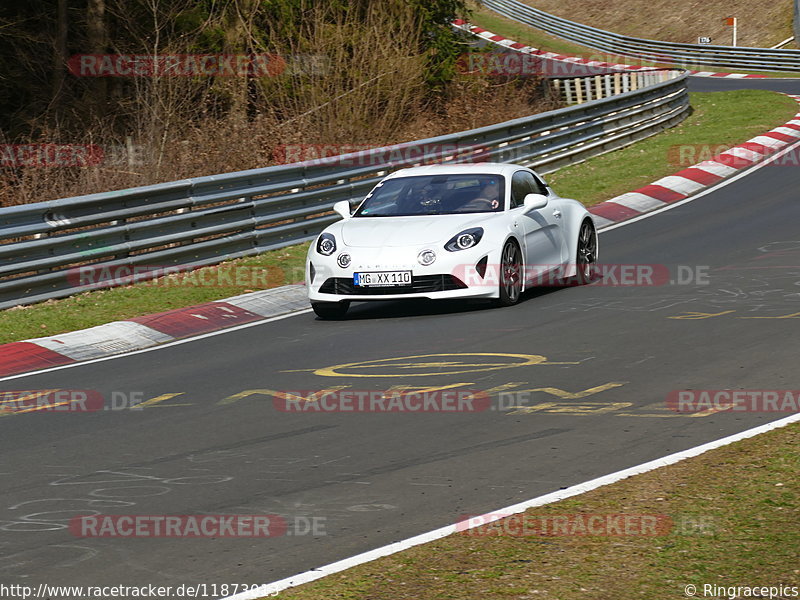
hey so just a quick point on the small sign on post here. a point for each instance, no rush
(732, 22)
(704, 40)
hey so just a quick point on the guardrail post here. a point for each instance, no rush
(578, 91)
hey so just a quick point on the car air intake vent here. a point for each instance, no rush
(419, 285)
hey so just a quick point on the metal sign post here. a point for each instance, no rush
(797, 23)
(734, 22)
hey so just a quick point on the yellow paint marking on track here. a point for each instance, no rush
(437, 367)
(565, 395)
(422, 389)
(43, 407)
(585, 408)
(502, 388)
(157, 401)
(5, 411)
(657, 415)
(706, 413)
(693, 316)
(30, 396)
(283, 395)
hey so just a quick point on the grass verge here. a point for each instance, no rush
(514, 30)
(271, 269)
(719, 119)
(733, 513)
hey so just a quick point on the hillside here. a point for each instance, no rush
(763, 25)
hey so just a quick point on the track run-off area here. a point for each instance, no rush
(579, 379)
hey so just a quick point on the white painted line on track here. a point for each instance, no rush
(575, 490)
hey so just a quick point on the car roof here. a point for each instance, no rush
(486, 168)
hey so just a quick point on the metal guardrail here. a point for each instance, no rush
(682, 55)
(205, 220)
(585, 88)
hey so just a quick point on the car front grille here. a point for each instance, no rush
(420, 284)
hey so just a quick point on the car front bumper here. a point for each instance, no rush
(452, 275)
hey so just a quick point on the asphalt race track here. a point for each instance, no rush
(210, 440)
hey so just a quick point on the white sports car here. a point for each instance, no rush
(485, 230)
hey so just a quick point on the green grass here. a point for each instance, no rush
(718, 119)
(271, 269)
(513, 30)
(733, 515)
(724, 118)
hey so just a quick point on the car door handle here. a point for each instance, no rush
(557, 214)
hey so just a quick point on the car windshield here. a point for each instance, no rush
(434, 195)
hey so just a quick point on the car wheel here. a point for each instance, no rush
(510, 274)
(585, 255)
(331, 311)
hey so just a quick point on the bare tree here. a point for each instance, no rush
(59, 55)
(97, 40)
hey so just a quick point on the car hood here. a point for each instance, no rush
(408, 231)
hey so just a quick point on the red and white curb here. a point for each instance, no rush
(681, 185)
(150, 330)
(568, 58)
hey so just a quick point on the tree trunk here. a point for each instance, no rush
(97, 38)
(59, 56)
(238, 18)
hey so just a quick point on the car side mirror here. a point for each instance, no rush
(533, 201)
(342, 208)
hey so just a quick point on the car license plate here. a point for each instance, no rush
(382, 278)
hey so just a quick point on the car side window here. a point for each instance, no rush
(520, 188)
(538, 186)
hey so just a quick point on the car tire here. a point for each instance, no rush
(331, 311)
(510, 274)
(585, 255)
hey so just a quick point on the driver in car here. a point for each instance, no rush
(487, 199)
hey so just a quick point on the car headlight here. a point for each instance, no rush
(343, 260)
(326, 244)
(464, 240)
(426, 257)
